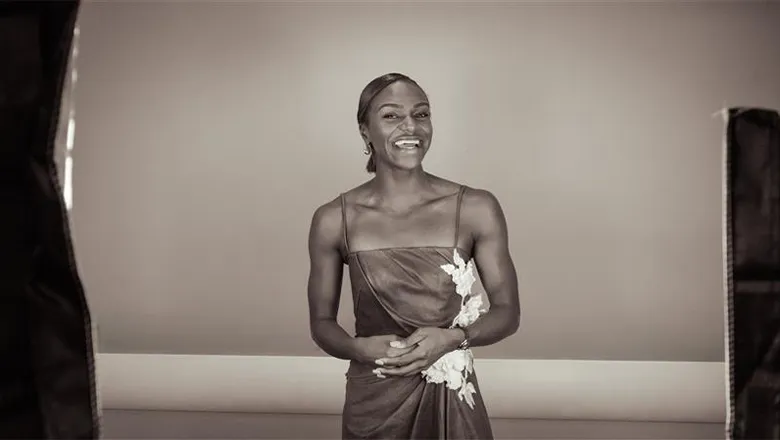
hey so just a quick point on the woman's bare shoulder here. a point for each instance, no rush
(445, 187)
(326, 222)
(471, 195)
(479, 198)
(328, 211)
(481, 209)
(327, 219)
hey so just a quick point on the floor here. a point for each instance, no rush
(202, 425)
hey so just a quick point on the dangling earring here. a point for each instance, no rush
(367, 149)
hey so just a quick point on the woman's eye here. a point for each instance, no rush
(423, 115)
(389, 116)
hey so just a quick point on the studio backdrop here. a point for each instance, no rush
(208, 133)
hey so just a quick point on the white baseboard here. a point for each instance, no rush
(527, 389)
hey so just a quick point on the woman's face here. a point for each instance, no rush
(399, 126)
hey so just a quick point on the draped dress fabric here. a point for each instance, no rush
(396, 291)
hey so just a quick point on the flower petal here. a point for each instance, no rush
(466, 393)
(449, 268)
(458, 260)
(454, 379)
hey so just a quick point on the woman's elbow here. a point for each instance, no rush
(315, 331)
(513, 324)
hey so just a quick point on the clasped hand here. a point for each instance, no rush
(397, 356)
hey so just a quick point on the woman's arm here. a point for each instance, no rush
(325, 278)
(496, 269)
(324, 292)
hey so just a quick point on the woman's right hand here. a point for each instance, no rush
(371, 348)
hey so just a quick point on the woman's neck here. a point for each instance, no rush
(401, 187)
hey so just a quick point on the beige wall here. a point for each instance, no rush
(208, 132)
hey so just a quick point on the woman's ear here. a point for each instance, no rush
(364, 133)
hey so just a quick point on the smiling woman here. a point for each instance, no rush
(411, 241)
(415, 143)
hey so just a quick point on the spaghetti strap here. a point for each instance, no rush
(344, 222)
(457, 214)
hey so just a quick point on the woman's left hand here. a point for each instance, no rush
(431, 344)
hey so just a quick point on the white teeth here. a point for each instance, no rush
(407, 143)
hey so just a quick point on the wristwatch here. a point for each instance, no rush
(464, 345)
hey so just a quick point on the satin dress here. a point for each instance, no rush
(395, 291)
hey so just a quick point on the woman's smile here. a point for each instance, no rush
(408, 145)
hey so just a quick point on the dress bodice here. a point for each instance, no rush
(397, 290)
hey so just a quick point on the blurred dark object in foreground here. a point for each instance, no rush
(753, 250)
(47, 380)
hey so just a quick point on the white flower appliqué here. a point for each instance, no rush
(455, 367)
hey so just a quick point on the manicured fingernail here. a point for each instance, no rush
(397, 344)
(380, 361)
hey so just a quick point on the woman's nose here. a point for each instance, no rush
(408, 124)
